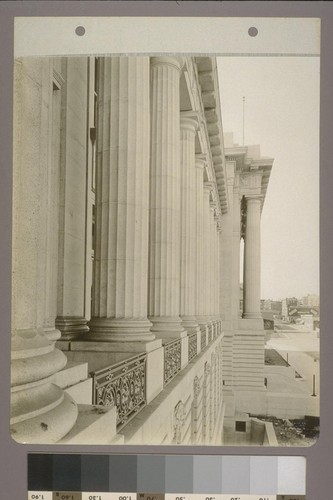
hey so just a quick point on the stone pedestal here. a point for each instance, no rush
(164, 252)
(101, 354)
(249, 359)
(122, 187)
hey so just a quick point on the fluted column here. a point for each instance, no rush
(122, 187)
(236, 252)
(217, 277)
(227, 255)
(188, 224)
(207, 252)
(40, 411)
(74, 251)
(164, 252)
(200, 257)
(252, 259)
(212, 273)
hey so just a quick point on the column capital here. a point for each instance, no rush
(177, 62)
(253, 198)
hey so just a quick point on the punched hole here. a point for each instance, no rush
(80, 31)
(253, 31)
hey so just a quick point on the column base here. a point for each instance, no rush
(71, 327)
(190, 324)
(53, 334)
(120, 330)
(167, 327)
(34, 357)
(53, 417)
(40, 411)
(95, 425)
(252, 315)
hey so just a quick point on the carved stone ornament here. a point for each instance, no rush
(245, 180)
(207, 368)
(179, 421)
(196, 385)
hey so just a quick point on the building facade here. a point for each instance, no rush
(128, 215)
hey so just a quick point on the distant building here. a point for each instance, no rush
(285, 304)
(311, 300)
(275, 306)
(303, 315)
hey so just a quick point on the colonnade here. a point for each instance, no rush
(149, 212)
(158, 231)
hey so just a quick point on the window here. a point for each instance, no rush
(240, 426)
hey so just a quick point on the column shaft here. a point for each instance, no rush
(73, 215)
(227, 257)
(252, 260)
(40, 411)
(207, 254)
(188, 225)
(122, 186)
(236, 253)
(217, 276)
(212, 273)
(200, 256)
(164, 255)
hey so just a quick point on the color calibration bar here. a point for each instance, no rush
(74, 495)
(161, 477)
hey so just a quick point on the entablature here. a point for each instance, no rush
(200, 93)
(253, 173)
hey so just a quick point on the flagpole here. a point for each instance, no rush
(243, 120)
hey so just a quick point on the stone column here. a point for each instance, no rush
(188, 225)
(212, 273)
(122, 187)
(164, 252)
(200, 260)
(73, 213)
(228, 244)
(51, 221)
(207, 254)
(40, 411)
(218, 276)
(252, 259)
(227, 256)
(236, 253)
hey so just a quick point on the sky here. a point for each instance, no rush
(282, 115)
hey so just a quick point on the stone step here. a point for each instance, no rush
(94, 425)
(81, 392)
(73, 373)
(74, 379)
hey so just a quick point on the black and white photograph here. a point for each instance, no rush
(165, 249)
